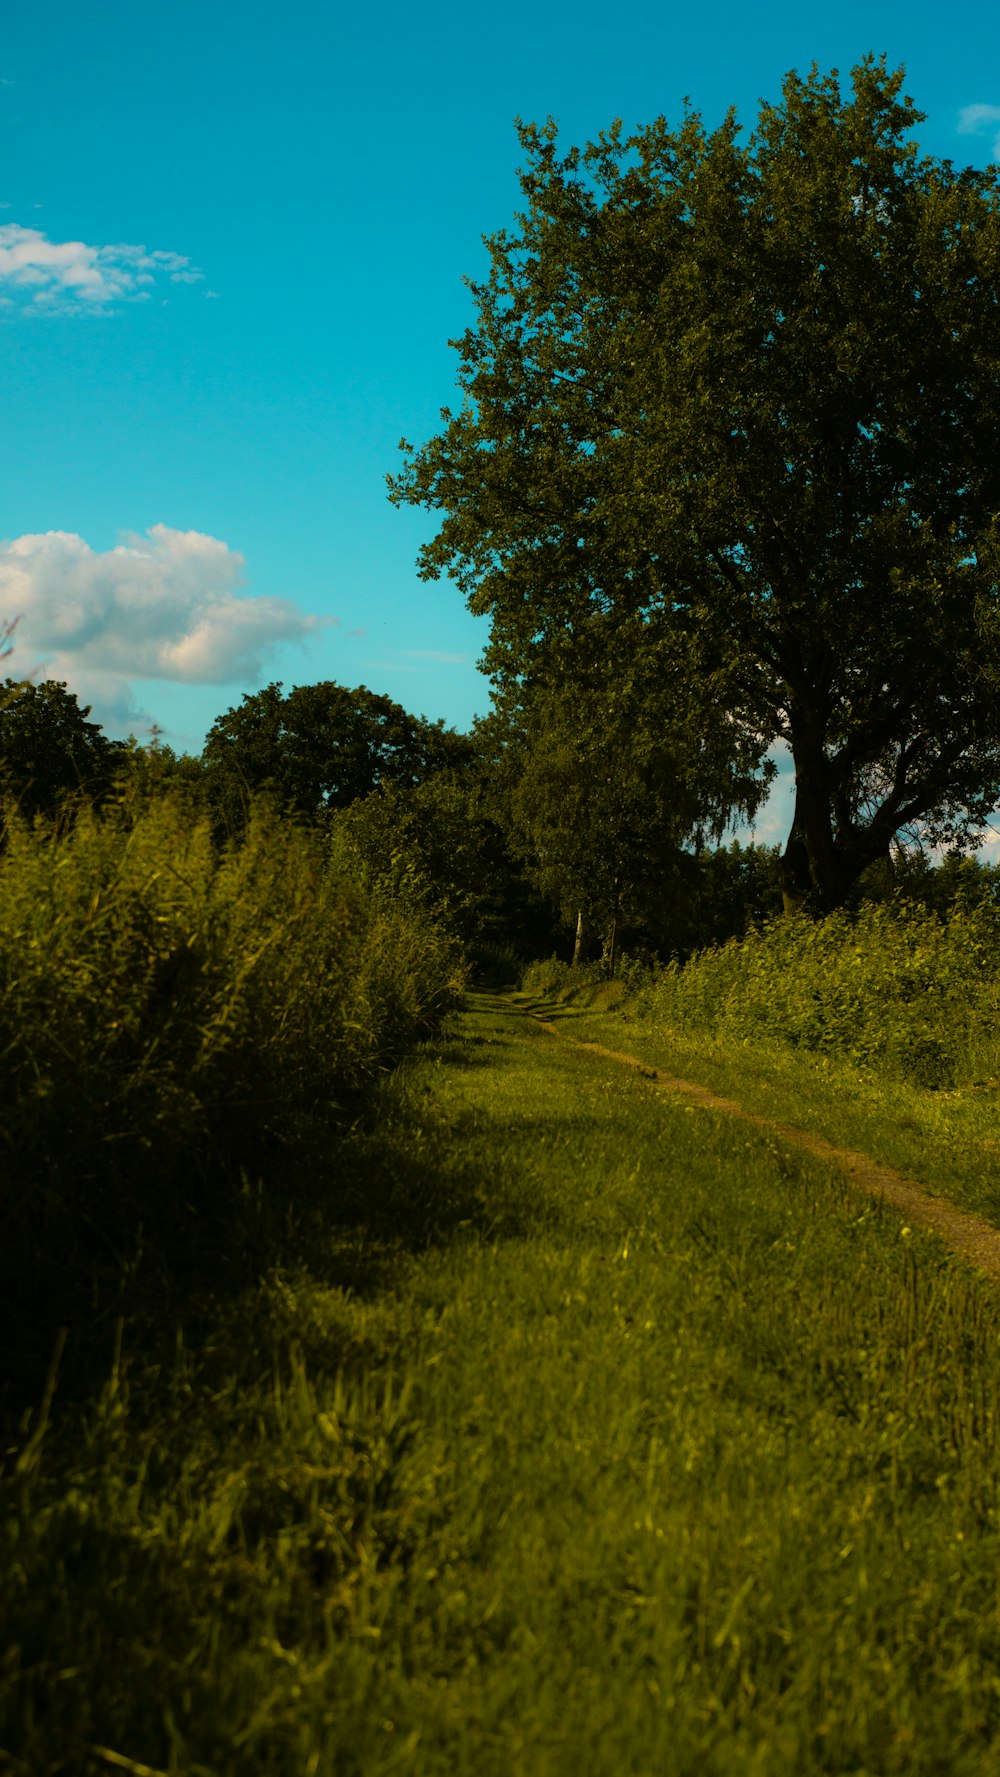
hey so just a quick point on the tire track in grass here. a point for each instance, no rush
(969, 1236)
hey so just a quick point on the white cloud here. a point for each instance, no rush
(773, 820)
(975, 120)
(64, 277)
(166, 605)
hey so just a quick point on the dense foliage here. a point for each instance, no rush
(892, 987)
(48, 748)
(439, 847)
(733, 405)
(172, 1015)
(319, 748)
(601, 791)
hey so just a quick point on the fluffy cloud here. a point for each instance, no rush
(975, 120)
(65, 276)
(772, 823)
(163, 606)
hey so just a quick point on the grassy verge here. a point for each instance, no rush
(948, 1139)
(581, 1430)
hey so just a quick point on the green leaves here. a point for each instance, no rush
(319, 748)
(608, 765)
(893, 988)
(48, 749)
(745, 390)
(170, 1013)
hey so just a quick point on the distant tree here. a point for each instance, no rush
(48, 749)
(744, 395)
(438, 844)
(945, 885)
(605, 778)
(723, 892)
(319, 748)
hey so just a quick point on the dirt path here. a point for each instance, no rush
(968, 1235)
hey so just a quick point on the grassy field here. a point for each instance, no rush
(878, 1029)
(579, 1431)
(948, 1138)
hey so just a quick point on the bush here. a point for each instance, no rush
(585, 984)
(170, 1014)
(551, 976)
(891, 986)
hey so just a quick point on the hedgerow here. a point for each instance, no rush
(892, 987)
(171, 1014)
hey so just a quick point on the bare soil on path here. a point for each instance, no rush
(970, 1236)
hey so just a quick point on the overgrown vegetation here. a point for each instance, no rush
(174, 1017)
(502, 1415)
(594, 1435)
(892, 987)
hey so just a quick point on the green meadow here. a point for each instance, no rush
(878, 1028)
(562, 1426)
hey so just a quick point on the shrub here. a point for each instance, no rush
(892, 986)
(551, 976)
(170, 1014)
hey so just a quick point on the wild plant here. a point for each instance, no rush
(892, 986)
(170, 1014)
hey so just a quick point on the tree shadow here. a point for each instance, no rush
(344, 1207)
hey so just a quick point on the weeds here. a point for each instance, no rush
(891, 988)
(173, 1018)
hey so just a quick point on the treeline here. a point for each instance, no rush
(505, 838)
(522, 839)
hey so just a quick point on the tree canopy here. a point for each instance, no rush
(320, 747)
(48, 749)
(740, 400)
(602, 779)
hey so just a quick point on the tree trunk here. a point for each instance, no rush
(796, 881)
(611, 943)
(819, 866)
(579, 940)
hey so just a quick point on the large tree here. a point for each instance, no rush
(745, 395)
(320, 747)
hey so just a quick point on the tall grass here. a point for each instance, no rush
(660, 1452)
(893, 988)
(171, 1015)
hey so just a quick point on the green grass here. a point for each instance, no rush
(892, 988)
(581, 1430)
(174, 1017)
(947, 1139)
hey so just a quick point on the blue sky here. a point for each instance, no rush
(231, 255)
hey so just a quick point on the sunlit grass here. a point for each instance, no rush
(602, 1435)
(948, 1139)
